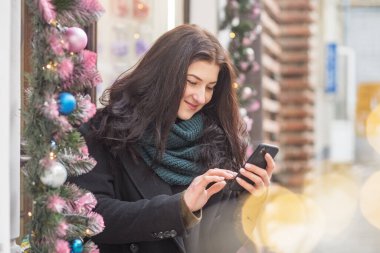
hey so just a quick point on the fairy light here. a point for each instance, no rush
(30, 214)
(50, 66)
(140, 6)
(232, 35)
(52, 156)
(53, 22)
(136, 35)
(235, 85)
(88, 232)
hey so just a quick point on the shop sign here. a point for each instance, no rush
(331, 68)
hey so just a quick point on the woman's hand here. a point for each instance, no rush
(259, 176)
(197, 194)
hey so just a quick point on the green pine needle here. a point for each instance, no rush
(61, 5)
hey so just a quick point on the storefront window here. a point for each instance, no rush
(126, 31)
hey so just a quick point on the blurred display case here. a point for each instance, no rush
(127, 30)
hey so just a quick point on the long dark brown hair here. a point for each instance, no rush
(147, 98)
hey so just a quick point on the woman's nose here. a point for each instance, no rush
(200, 96)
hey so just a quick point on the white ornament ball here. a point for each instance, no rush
(246, 93)
(243, 112)
(55, 175)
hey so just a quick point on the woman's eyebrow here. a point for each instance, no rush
(200, 79)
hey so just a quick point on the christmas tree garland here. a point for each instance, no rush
(241, 18)
(62, 69)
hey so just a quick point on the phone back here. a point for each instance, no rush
(257, 158)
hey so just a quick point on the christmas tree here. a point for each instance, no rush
(62, 71)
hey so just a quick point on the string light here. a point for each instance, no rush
(140, 6)
(235, 85)
(53, 22)
(50, 66)
(232, 35)
(30, 214)
(136, 35)
(52, 155)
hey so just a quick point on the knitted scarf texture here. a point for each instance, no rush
(178, 165)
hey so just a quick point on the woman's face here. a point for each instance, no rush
(201, 80)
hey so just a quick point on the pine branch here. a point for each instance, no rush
(50, 138)
(75, 164)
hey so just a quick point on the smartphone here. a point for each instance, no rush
(257, 158)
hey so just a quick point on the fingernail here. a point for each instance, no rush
(242, 170)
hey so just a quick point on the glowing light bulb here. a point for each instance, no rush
(53, 22)
(232, 35)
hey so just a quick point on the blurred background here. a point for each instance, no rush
(309, 82)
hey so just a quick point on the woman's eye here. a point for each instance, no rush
(211, 88)
(190, 82)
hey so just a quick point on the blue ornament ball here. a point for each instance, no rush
(77, 246)
(67, 103)
(53, 145)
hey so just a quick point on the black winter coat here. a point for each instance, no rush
(142, 213)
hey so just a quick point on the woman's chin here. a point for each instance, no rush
(185, 116)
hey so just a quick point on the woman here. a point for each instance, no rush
(166, 143)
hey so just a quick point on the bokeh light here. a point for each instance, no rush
(369, 200)
(288, 222)
(336, 194)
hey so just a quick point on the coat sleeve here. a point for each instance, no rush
(125, 222)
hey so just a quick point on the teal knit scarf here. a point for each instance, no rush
(178, 165)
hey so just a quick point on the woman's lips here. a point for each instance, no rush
(192, 106)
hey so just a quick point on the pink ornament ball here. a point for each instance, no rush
(76, 38)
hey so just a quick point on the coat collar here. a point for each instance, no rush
(148, 183)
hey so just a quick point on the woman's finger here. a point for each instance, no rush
(206, 180)
(249, 187)
(262, 173)
(257, 180)
(215, 188)
(271, 165)
(228, 174)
